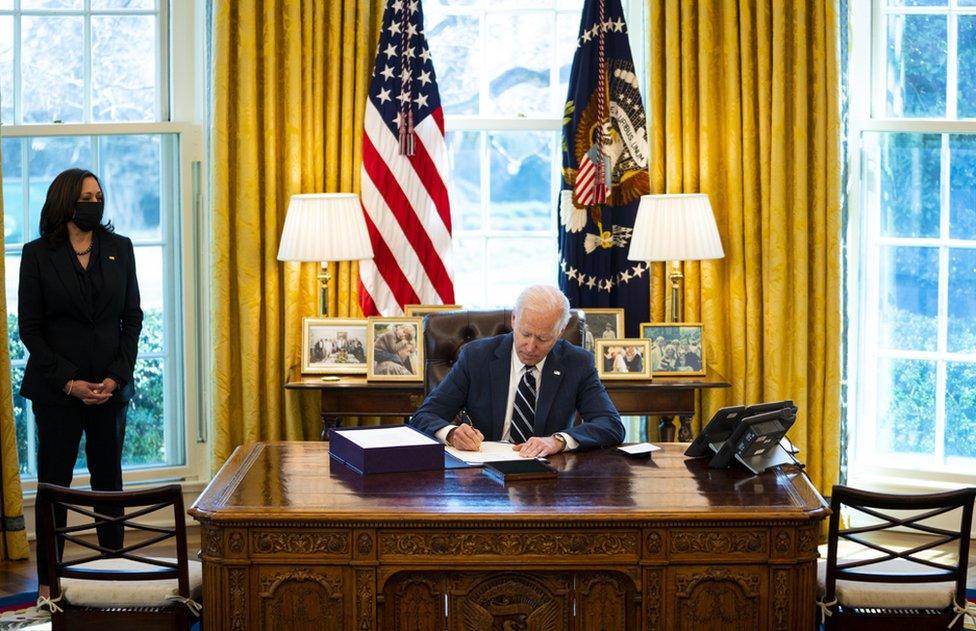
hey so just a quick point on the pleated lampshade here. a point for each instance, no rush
(324, 227)
(678, 227)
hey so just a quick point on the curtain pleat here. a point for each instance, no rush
(13, 543)
(744, 107)
(288, 77)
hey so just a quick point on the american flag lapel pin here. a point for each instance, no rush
(111, 258)
(556, 372)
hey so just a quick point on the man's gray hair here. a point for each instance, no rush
(546, 299)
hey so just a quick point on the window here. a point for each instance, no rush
(503, 72)
(912, 239)
(86, 83)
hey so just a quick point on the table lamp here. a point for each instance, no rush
(678, 227)
(324, 227)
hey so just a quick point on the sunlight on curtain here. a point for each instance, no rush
(290, 82)
(745, 107)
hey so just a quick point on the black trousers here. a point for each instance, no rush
(59, 435)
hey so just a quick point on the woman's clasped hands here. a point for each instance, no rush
(92, 393)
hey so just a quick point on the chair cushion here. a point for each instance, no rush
(889, 595)
(93, 593)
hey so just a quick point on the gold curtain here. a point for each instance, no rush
(290, 79)
(745, 107)
(13, 543)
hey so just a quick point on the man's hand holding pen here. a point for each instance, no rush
(465, 437)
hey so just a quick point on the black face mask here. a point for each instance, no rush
(88, 215)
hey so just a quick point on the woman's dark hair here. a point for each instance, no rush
(59, 207)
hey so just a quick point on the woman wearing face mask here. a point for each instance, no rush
(80, 319)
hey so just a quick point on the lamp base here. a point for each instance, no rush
(675, 276)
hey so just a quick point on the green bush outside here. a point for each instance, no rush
(144, 444)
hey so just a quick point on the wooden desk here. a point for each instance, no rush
(292, 542)
(663, 397)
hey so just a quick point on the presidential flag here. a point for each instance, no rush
(404, 168)
(605, 157)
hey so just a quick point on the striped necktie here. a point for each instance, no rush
(523, 411)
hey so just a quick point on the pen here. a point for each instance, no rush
(463, 415)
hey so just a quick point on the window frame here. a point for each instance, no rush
(864, 243)
(185, 235)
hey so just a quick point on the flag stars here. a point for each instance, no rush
(425, 55)
(403, 97)
(393, 28)
(398, 6)
(411, 29)
(384, 95)
(638, 270)
(421, 101)
(410, 52)
(390, 51)
(413, 6)
(591, 282)
(387, 73)
(424, 77)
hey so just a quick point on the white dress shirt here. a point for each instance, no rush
(514, 376)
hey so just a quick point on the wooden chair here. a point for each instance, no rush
(878, 586)
(124, 588)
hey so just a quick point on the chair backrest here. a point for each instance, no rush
(446, 332)
(98, 505)
(912, 512)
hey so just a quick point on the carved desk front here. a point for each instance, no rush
(291, 541)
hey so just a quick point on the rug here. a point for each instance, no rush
(971, 597)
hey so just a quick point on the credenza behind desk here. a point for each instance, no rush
(293, 541)
(665, 397)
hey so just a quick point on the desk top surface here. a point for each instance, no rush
(315, 382)
(297, 481)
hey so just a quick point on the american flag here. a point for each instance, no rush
(404, 169)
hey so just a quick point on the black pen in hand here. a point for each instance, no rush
(464, 418)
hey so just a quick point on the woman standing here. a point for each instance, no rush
(80, 320)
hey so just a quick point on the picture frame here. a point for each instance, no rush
(622, 358)
(596, 323)
(419, 311)
(395, 349)
(687, 360)
(334, 346)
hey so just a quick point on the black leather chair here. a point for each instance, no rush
(446, 332)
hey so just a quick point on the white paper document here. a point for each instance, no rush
(491, 451)
(639, 448)
(387, 437)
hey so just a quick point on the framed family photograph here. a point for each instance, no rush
(334, 346)
(623, 358)
(419, 311)
(676, 348)
(395, 349)
(607, 324)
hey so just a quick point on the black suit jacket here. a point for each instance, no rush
(64, 342)
(478, 382)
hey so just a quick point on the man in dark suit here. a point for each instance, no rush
(495, 381)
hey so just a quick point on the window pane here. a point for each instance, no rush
(966, 59)
(453, 3)
(918, 3)
(49, 156)
(149, 269)
(51, 4)
(962, 301)
(469, 266)
(130, 178)
(571, 4)
(960, 431)
(916, 63)
(11, 273)
(518, 70)
(464, 147)
(567, 26)
(7, 69)
(910, 176)
(909, 292)
(962, 187)
(123, 68)
(52, 67)
(455, 49)
(13, 191)
(144, 432)
(123, 4)
(514, 264)
(521, 180)
(23, 425)
(906, 406)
